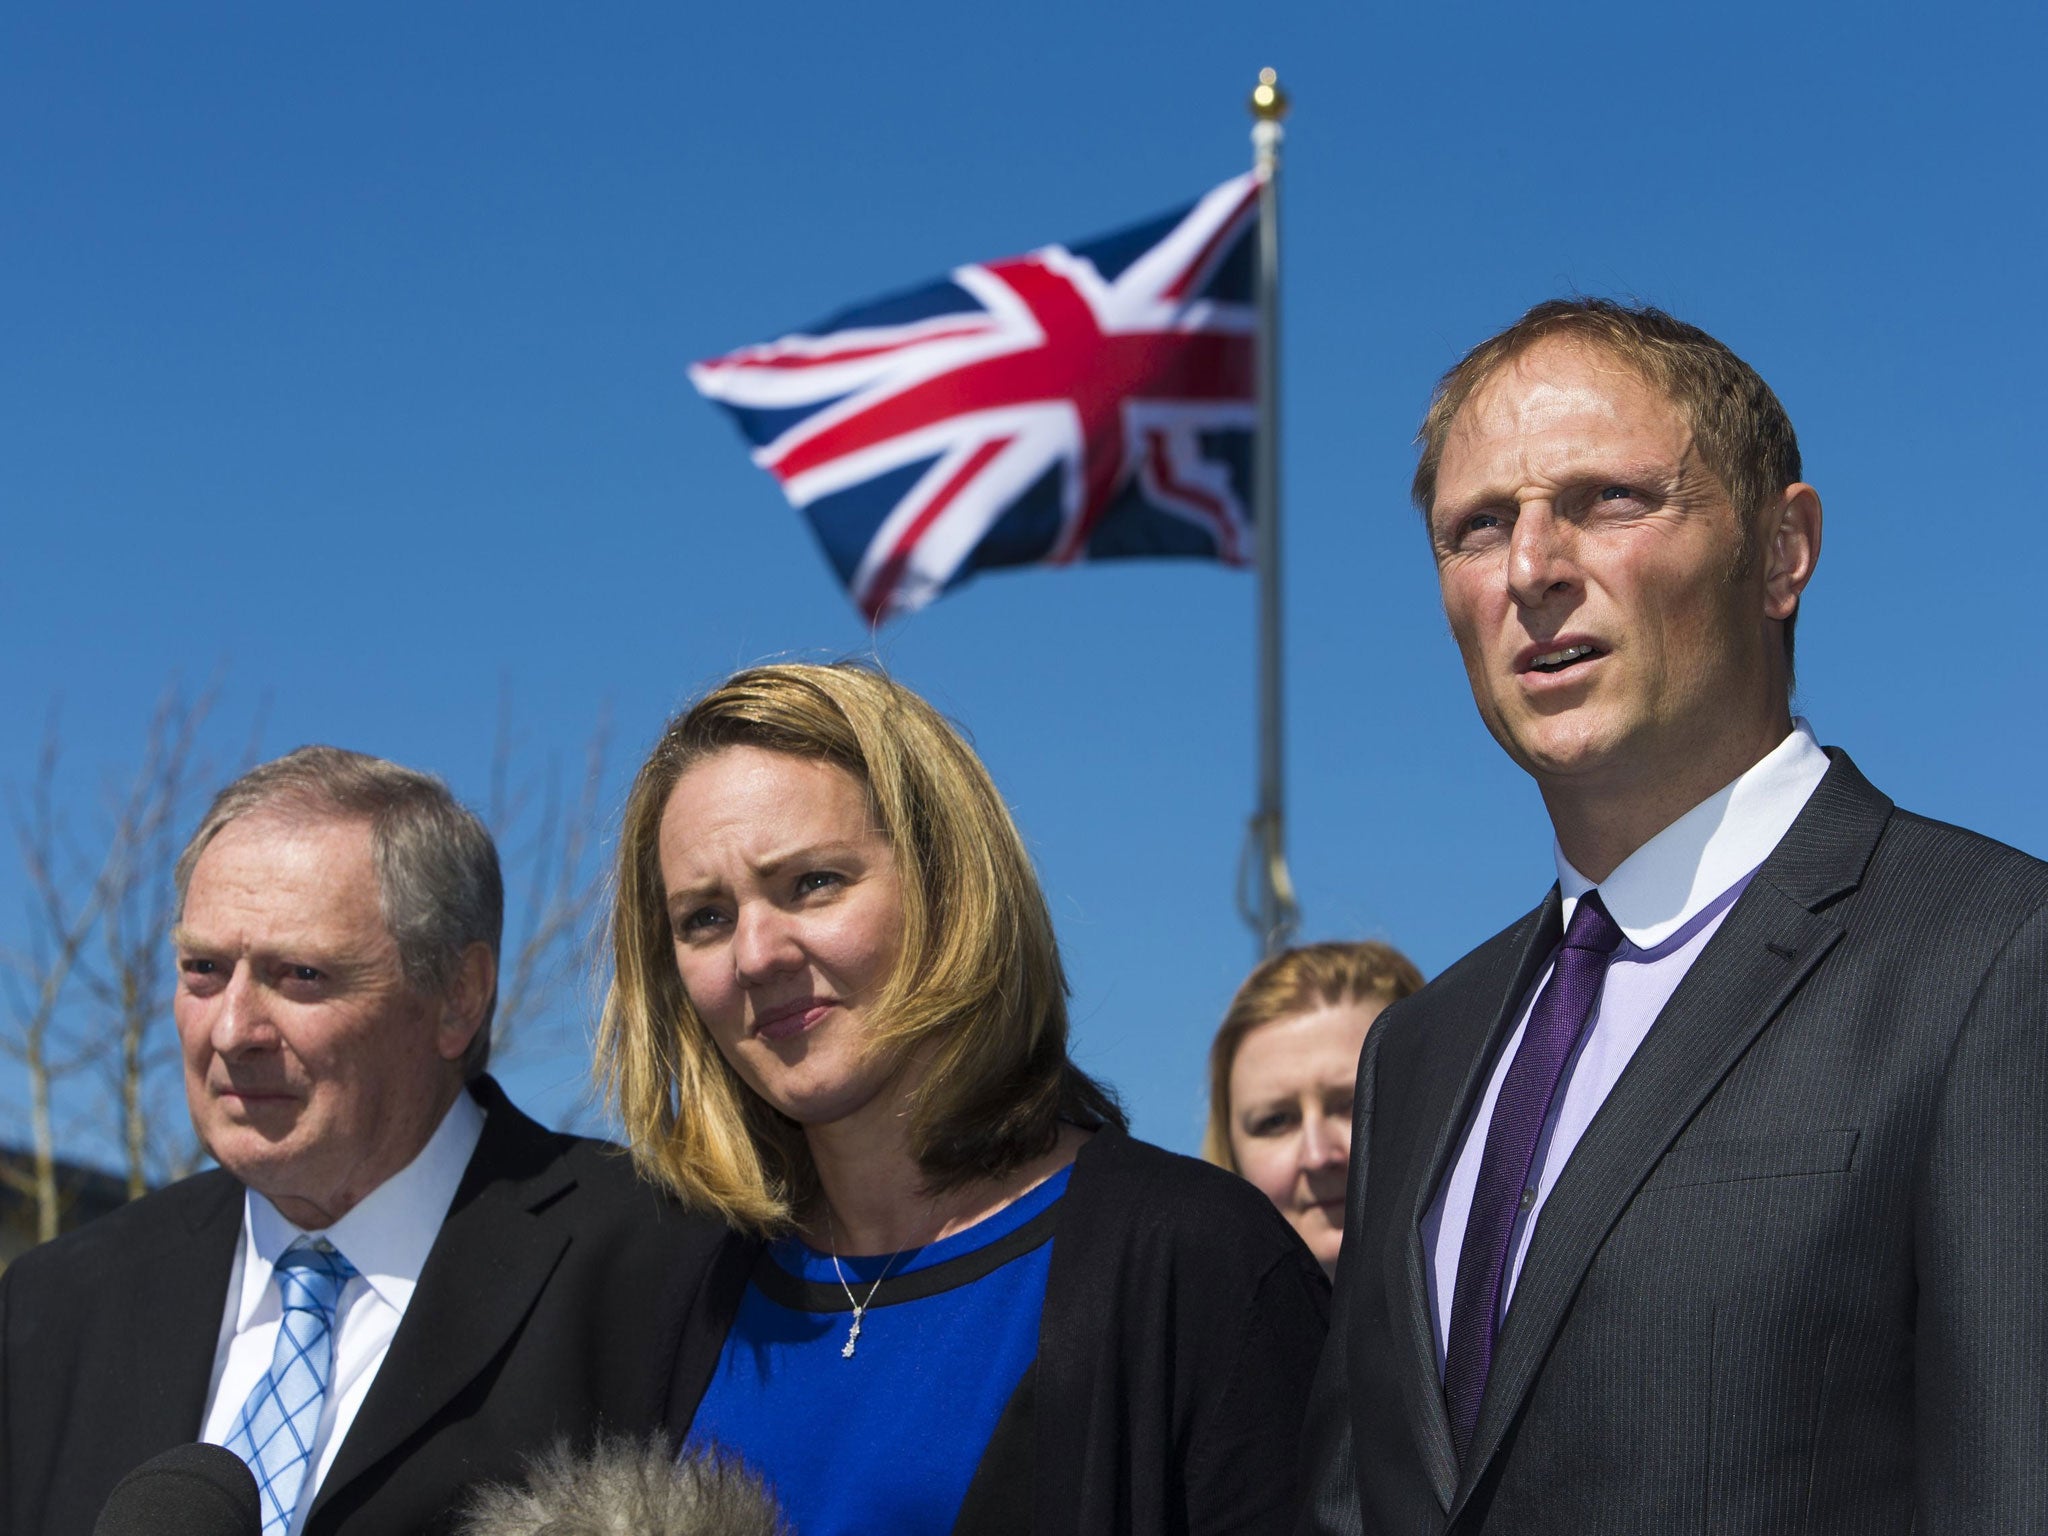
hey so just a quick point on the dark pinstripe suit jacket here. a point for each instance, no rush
(1794, 1278)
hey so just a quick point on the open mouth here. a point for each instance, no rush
(1564, 658)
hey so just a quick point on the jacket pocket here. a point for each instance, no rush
(1753, 1157)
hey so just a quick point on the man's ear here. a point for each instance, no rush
(1791, 549)
(466, 1001)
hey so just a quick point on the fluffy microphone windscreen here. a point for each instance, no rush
(190, 1490)
(627, 1488)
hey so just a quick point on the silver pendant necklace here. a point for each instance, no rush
(860, 1308)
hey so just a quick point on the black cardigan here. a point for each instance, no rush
(1183, 1318)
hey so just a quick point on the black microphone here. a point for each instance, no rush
(634, 1488)
(189, 1490)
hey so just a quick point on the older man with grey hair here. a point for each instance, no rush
(395, 1284)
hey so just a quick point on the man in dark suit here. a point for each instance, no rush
(1711, 1196)
(396, 1284)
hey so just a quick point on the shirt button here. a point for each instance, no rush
(1529, 1198)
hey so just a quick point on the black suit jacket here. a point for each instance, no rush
(551, 1303)
(1795, 1276)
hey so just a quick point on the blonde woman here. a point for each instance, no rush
(1281, 1072)
(957, 1295)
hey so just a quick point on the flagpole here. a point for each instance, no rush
(1270, 907)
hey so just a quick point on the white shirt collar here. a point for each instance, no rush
(1668, 881)
(391, 1230)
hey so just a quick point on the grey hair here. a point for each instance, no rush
(438, 881)
(626, 1488)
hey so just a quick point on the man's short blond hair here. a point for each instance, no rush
(1742, 432)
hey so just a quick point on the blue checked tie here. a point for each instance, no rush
(274, 1435)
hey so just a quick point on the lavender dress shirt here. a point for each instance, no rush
(1669, 898)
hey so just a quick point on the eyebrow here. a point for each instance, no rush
(1258, 1109)
(1596, 470)
(1587, 470)
(775, 863)
(289, 950)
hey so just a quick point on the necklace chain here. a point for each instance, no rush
(860, 1308)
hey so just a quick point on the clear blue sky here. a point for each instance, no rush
(342, 353)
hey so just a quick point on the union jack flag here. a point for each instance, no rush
(1085, 402)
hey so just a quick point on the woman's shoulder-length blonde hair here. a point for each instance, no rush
(978, 989)
(1297, 981)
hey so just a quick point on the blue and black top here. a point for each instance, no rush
(1157, 1389)
(886, 1438)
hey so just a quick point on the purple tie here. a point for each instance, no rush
(1506, 1178)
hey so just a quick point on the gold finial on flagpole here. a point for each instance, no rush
(1269, 102)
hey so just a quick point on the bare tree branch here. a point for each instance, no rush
(132, 982)
(64, 906)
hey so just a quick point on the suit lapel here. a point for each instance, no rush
(1468, 1029)
(1770, 942)
(171, 1311)
(488, 1266)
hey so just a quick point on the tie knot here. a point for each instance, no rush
(1592, 928)
(310, 1276)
